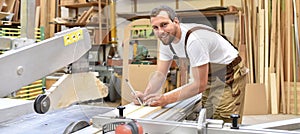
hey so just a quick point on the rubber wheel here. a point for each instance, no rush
(41, 104)
(75, 126)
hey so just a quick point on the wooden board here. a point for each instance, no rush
(16, 11)
(85, 16)
(255, 100)
(10, 6)
(1, 4)
(44, 17)
(135, 112)
(77, 87)
(288, 41)
(37, 16)
(52, 12)
(274, 94)
(248, 40)
(291, 98)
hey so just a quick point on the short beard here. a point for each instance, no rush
(169, 41)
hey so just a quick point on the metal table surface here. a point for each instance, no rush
(53, 122)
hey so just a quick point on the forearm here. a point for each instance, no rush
(158, 78)
(155, 83)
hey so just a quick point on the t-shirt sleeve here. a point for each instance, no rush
(165, 54)
(198, 52)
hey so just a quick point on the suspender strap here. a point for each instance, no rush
(173, 51)
(204, 28)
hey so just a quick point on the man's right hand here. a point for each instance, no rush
(138, 95)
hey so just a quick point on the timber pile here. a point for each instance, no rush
(272, 50)
(8, 7)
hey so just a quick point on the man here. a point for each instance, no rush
(222, 87)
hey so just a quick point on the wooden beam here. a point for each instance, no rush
(16, 11)
(44, 17)
(279, 62)
(248, 40)
(288, 51)
(266, 51)
(52, 15)
(273, 36)
(274, 94)
(37, 16)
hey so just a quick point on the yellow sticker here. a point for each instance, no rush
(73, 37)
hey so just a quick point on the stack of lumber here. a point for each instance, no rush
(8, 7)
(272, 50)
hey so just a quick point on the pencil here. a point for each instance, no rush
(133, 91)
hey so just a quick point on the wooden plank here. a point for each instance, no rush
(294, 70)
(52, 11)
(274, 94)
(292, 98)
(261, 47)
(288, 42)
(255, 35)
(248, 40)
(298, 22)
(37, 16)
(10, 5)
(44, 17)
(255, 94)
(77, 87)
(16, 11)
(266, 52)
(136, 112)
(279, 65)
(81, 17)
(273, 81)
(295, 38)
(273, 37)
(85, 17)
(1, 4)
(99, 37)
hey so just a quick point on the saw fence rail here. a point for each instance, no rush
(272, 51)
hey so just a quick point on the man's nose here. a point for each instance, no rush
(160, 30)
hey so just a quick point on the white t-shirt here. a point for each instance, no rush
(203, 47)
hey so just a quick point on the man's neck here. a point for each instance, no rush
(178, 35)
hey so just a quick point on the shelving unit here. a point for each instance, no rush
(98, 30)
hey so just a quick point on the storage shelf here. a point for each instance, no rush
(80, 5)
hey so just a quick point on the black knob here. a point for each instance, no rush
(234, 118)
(121, 109)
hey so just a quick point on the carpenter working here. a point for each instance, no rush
(217, 70)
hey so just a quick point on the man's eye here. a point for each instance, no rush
(154, 28)
(164, 24)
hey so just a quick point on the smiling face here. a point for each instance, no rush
(165, 29)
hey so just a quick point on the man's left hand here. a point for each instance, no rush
(155, 100)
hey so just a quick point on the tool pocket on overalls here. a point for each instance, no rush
(239, 72)
(243, 70)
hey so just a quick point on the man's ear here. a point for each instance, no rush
(176, 20)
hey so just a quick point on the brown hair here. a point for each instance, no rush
(169, 10)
